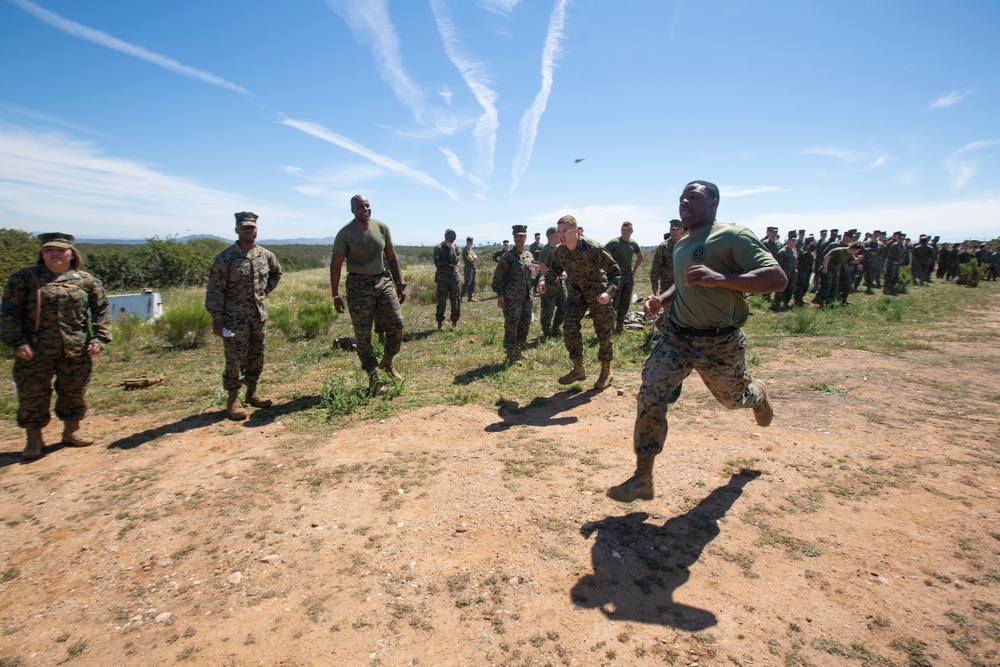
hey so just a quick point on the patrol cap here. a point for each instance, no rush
(802, 232)
(56, 240)
(537, 234)
(519, 229)
(246, 219)
(506, 241)
(792, 234)
(772, 229)
(676, 224)
(834, 231)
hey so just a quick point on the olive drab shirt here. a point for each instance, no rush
(63, 304)
(588, 267)
(238, 282)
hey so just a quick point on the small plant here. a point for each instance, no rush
(280, 317)
(827, 389)
(185, 327)
(315, 319)
(905, 280)
(76, 648)
(803, 321)
(970, 273)
(340, 398)
(8, 574)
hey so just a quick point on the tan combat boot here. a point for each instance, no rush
(386, 365)
(578, 374)
(71, 439)
(605, 378)
(255, 399)
(233, 408)
(638, 486)
(763, 413)
(33, 449)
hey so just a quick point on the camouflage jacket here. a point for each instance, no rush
(445, 261)
(661, 271)
(512, 277)
(238, 282)
(54, 313)
(805, 261)
(588, 266)
(788, 260)
(895, 252)
(772, 245)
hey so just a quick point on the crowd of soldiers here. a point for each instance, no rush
(836, 265)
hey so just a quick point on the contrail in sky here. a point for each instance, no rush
(531, 117)
(396, 166)
(475, 76)
(106, 40)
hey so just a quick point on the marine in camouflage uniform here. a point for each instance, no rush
(55, 317)
(446, 278)
(873, 249)
(788, 260)
(593, 278)
(375, 287)
(622, 249)
(554, 300)
(241, 277)
(895, 251)
(512, 284)
(923, 260)
(661, 271)
(469, 269)
(803, 270)
(719, 264)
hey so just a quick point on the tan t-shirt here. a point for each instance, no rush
(724, 248)
(364, 247)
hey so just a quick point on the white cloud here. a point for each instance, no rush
(388, 163)
(106, 40)
(47, 177)
(727, 191)
(952, 220)
(951, 98)
(474, 74)
(963, 164)
(529, 121)
(453, 161)
(498, 6)
(445, 94)
(372, 27)
(874, 158)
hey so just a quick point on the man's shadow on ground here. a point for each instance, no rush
(541, 411)
(638, 565)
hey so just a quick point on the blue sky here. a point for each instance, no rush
(135, 119)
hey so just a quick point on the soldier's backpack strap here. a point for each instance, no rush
(33, 270)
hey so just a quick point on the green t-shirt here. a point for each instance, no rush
(623, 252)
(545, 256)
(838, 258)
(364, 247)
(724, 248)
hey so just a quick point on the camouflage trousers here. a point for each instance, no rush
(553, 308)
(782, 298)
(372, 299)
(801, 285)
(829, 285)
(244, 353)
(469, 281)
(921, 271)
(448, 290)
(34, 389)
(719, 360)
(623, 297)
(891, 276)
(516, 320)
(872, 274)
(577, 303)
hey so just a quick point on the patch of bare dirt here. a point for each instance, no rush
(860, 528)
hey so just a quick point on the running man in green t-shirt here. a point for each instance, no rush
(715, 265)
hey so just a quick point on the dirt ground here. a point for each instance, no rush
(860, 528)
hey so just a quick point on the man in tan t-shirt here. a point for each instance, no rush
(375, 286)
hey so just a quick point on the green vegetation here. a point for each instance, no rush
(17, 250)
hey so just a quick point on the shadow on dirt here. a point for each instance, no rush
(639, 565)
(180, 426)
(541, 411)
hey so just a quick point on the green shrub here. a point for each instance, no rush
(757, 302)
(280, 317)
(126, 330)
(803, 321)
(315, 318)
(892, 308)
(185, 326)
(338, 397)
(970, 273)
(905, 280)
(17, 250)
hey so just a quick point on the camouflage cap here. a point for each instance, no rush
(246, 219)
(56, 240)
(519, 229)
(676, 224)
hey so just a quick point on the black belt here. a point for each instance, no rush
(706, 333)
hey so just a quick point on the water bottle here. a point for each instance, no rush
(226, 333)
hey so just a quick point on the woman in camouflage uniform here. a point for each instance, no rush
(55, 317)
